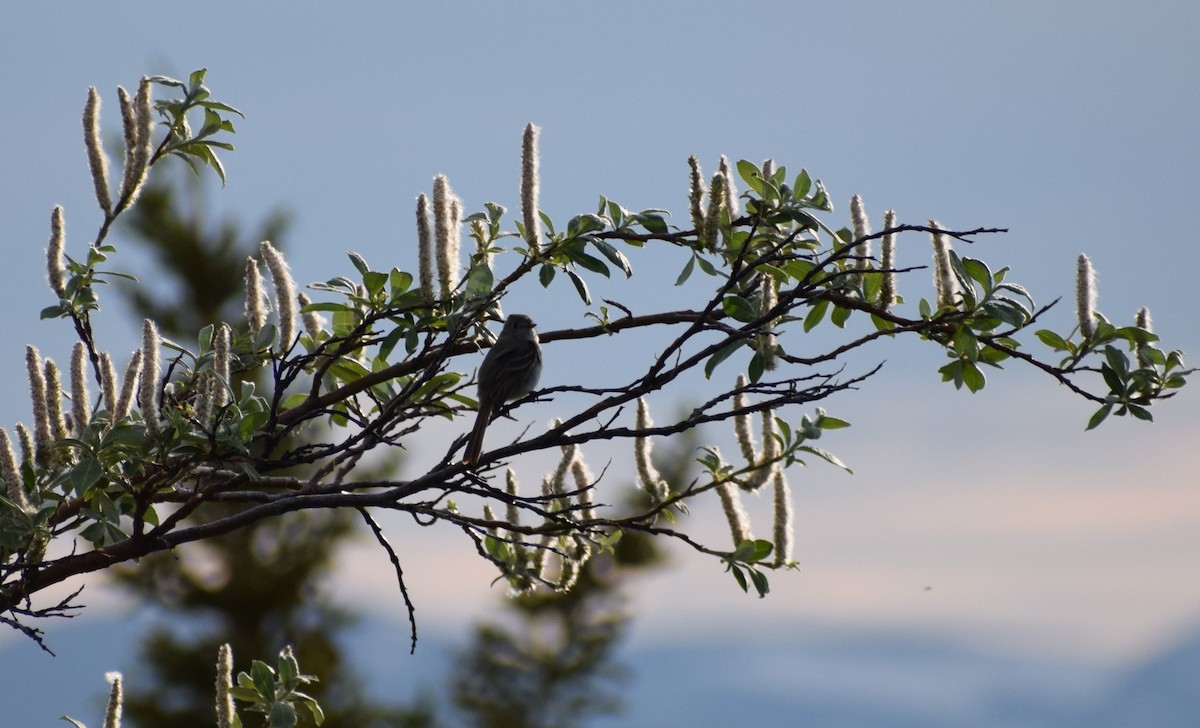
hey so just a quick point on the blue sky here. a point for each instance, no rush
(1071, 123)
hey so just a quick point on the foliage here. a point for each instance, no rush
(133, 478)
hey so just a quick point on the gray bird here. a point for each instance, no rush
(510, 371)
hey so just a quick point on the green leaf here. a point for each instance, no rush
(282, 715)
(1098, 417)
(750, 173)
(815, 314)
(739, 577)
(264, 679)
(85, 474)
(760, 583)
(683, 275)
(1052, 340)
(978, 271)
(721, 355)
(580, 287)
(802, 185)
(839, 316)
(546, 274)
(654, 224)
(973, 377)
(589, 262)
(756, 368)
(614, 256)
(825, 422)
(739, 308)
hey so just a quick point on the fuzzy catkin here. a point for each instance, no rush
(148, 393)
(97, 159)
(425, 264)
(56, 271)
(1085, 296)
(887, 289)
(285, 293)
(530, 187)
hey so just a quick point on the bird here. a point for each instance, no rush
(510, 371)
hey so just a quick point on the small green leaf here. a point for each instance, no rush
(739, 308)
(580, 287)
(683, 275)
(546, 274)
(815, 314)
(1099, 417)
(721, 355)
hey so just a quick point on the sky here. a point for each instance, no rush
(990, 520)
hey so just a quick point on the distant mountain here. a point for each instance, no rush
(1163, 692)
(879, 680)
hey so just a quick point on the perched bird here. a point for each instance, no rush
(510, 371)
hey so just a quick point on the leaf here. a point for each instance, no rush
(614, 256)
(760, 583)
(721, 355)
(750, 173)
(264, 679)
(802, 185)
(815, 314)
(589, 262)
(282, 715)
(1098, 417)
(580, 286)
(739, 308)
(740, 577)
(973, 377)
(546, 274)
(978, 271)
(85, 474)
(756, 368)
(683, 275)
(825, 422)
(1053, 340)
(826, 456)
(654, 224)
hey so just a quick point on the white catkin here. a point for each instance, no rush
(285, 293)
(56, 271)
(80, 406)
(651, 481)
(712, 218)
(425, 262)
(1144, 321)
(513, 515)
(945, 282)
(887, 289)
(11, 470)
(97, 159)
(221, 366)
(108, 381)
(224, 682)
(445, 236)
(28, 449)
(256, 310)
(696, 193)
(1085, 296)
(54, 392)
(741, 422)
(731, 504)
(313, 321)
(42, 436)
(731, 194)
(148, 393)
(130, 127)
(784, 534)
(112, 712)
(862, 228)
(584, 485)
(129, 387)
(530, 187)
(490, 516)
(768, 298)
